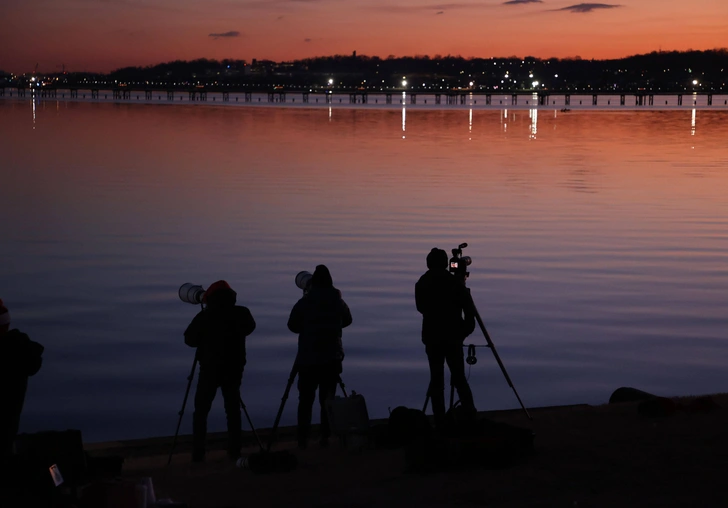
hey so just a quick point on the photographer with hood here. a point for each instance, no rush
(447, 319)
(22, 359)
(318, 319)
(218, 332)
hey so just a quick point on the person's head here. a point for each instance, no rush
(437, 259)
(4, 318)
(220, 294)
(322, 277)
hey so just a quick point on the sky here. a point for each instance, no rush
(102, 35)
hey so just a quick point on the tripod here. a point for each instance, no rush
(182, 412)
(471, 358)
(291, 379)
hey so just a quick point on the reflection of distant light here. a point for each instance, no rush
(534, 123)
(692, 130)
(329, 113)
(404, 120)
(470, 122)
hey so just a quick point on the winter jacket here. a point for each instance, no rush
(218, 332)
(318, 319)
(23, 357)
(443, 300)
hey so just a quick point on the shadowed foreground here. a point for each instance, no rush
(585, 456)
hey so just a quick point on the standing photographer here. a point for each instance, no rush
(447, 319)
(22, 359)
(318, 319)
(218, 332)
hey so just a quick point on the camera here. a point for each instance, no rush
(191, 293)
(459, 263)
(303, 280)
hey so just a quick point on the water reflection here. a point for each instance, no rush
(692, 130)
(595, 238)
(404, 121)
(533, 114)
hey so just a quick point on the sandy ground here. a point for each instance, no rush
(585, 456)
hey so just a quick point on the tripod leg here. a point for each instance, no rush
(452, 394)
(291, 379)
(495, 353)
(252, 427)
(427, 399)
(182, 411)
(343, 386)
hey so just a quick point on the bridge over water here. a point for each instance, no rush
(323, 97)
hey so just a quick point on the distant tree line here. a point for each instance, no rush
(656, 71)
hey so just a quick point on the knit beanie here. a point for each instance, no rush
(322, 277)
(4, 315)
(437, 258)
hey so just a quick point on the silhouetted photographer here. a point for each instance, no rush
(318, 319)
(218, 332)
(22, 358)
(447, 319)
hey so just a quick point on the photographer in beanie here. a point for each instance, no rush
(447, 319)
(218, 332)
(318, 318)
(22, 359)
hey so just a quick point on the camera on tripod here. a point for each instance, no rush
(191, 293)
(459, 263)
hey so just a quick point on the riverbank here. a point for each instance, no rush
(609, 455)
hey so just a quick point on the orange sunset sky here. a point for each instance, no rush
(101, 35)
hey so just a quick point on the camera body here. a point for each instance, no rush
(458, 263)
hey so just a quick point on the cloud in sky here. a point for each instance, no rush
(521, 2)
(583, 8)
(231, 33)
(439, 8)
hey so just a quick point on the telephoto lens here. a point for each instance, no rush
(303, 280)
(191, 293)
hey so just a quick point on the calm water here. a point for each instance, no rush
(599, 244)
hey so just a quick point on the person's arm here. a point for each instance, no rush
(345, 314)
(246, 321)
(468, 312)
(419, 302)
(295, 320)
(33, 357)
(193, 333)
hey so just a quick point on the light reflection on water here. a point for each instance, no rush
(599, 248)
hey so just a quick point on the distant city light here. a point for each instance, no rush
(331, 81)
(471, 83)
(695, 82)
(535, 84)
(556, 75)
(530, 75)
(404, 82)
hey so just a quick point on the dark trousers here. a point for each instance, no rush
(437, 355)
(12, 397)
(207, 385)
(325, 378)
